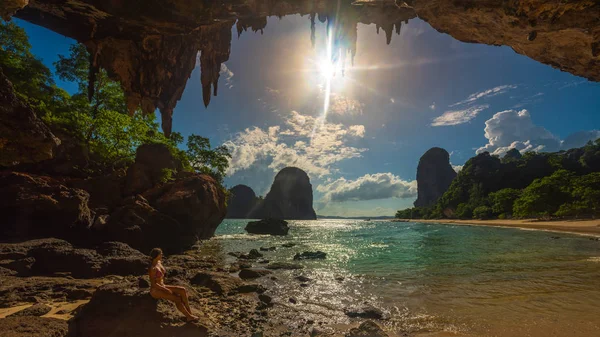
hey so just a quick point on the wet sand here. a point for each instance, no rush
(588, 227)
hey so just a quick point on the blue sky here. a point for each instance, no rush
(425, 89)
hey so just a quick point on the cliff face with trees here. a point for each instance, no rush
(82, 168)
(532, 185)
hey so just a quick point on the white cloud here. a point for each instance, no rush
(432, 106)
(486, 94)
(342, 105)
(457, 168)
(515, 129)
(303, 141)
(368, 187)
(227, 74)
(458, 116)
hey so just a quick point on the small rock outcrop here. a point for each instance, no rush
(366, 311)
(367, 329)
(242, 201)
(253, 273)
(268, 226)
(310, 255)
(37, 310)
(434, 176)
(24, 138)
(290, 197)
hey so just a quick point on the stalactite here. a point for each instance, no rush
(312, 29)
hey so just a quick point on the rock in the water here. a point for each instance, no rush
(33, 327)
(242, 201)
(38, 206)
(367, 329)
(121, 309)
(366, 311)
(290, 197)
(303, 278)
(152, 161)
(38, 309)
(268, 249)
(434, 175)
(284, 265)
(24, 138)
(268, 226)
(310, 255)
(288, 245)
(252, 273)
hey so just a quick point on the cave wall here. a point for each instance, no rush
(151, 46)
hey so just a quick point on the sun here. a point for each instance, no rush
(327, 68)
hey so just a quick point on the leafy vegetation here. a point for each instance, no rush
(95, 117)
(532, 185)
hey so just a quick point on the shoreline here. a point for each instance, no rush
(580, 227)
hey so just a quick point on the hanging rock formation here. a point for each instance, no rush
(242, 200)
(434, 175)
(290, 197)
(150, 46)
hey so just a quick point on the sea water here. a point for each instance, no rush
(435, 279)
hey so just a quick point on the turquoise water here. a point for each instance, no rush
(437, 279)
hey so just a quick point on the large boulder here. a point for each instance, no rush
(152, 162)
(197, 202)
(268, 226)
(290, 197)
(122, 309)
(24, 138)
(38, 206)
(242, 200)
(434, 176)
(143, 227)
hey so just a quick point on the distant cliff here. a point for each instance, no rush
(242, 200)
(434, 175)
(290, 197)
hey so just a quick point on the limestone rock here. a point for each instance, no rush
(143, 227)
(122, 309)
(52, 256)
(268, 226)
(242, 200)
(24, 138)
(33, 327)
(219, 283)
(290, 197)
(253, 273)
(310, 255)
(367, 329)
(197, 202)
(434, 175)
(149, 168)
(37, 310)
(38, 206)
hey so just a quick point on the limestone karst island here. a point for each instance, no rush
(299, 168)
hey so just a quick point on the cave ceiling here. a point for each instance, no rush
(151, 46)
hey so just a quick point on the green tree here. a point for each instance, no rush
(502, 201)
(31, 79)
(543, 197)
(482, 213)
(203, 159)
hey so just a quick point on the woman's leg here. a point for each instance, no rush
(182, 292)
(173, 297)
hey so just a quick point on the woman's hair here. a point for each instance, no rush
(155, 253)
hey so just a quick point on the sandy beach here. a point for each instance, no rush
(588, 227)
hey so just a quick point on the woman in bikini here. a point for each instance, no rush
(159, 290)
